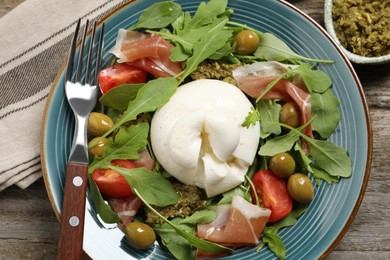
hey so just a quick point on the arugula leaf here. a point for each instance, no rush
(195, 241)
(126, 145)
(120, 96)
(280, 144)
(329, 157)
(273, 48)
(303, 161)
(252, 118)
(185, 43)
(315, 80)
(200, 217)
(271, 237)
(225, 51)
(151, 96)
(269, 111)
(325, 108)
(102, 208)
(154, 188)
(320, 174)
(158, 15)
(275, 244)
(291, 219)
(177, 245)
(205, 47)
(326, 155)
(227, 196)
(206, 14)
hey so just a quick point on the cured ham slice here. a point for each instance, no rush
(253, 79)
(144, 160)
(126, 208)
(238, 224)
(152, 67)
(147, 51)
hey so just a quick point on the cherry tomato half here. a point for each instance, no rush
(273, 194)
(112, 183)
(119, 74)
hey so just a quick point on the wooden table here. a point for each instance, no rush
(29, 228)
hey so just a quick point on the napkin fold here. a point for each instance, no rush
(34, 43)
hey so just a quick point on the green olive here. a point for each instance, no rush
(98, 149)
(98, 124)
(140, 235)
(247, 42)
(282, 165)
(290, 114)
(300, 187)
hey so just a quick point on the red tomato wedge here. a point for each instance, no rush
(119, 74)
(112, 183)
(272, 193)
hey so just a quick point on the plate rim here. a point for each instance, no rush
(359, 86)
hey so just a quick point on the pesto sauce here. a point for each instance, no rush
(363, 26)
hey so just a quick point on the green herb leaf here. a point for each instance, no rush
(150, 97)
(102, 208)
(326, 155)
(206, 14)
(273, 48)
(320, 174)
(126, 145)
(120, 96)
(252, 118)
(227, 196)
(269, 112)
(275, 244)
(271, 237)
(154, 188)
(158, 15)
(302, 159)
(200, 217)
(207, 45)
(291, 219)
(325, 107)
(279, 144)
(315, 80)
(330, 158)
(177, 245)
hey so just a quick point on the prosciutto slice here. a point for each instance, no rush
(253, 79)
(146, 51)
(238, 224)
(126, 208)
(144, 160)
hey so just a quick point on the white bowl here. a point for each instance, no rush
(351, 56)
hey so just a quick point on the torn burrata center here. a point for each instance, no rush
(199, 139)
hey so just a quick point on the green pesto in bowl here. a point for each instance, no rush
(359, 27)
(363, 26)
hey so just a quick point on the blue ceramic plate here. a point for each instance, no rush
(334, 207)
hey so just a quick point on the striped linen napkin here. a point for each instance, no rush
(34, 42)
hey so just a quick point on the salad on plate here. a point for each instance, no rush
(209, 135)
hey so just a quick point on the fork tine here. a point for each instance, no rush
(72, 51)
(99, 56)
(90, 56)
(81, 54)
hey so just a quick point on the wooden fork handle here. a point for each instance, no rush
(70, 245)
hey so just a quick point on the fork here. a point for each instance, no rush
(82, 97)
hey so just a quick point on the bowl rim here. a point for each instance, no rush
(358, 59)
